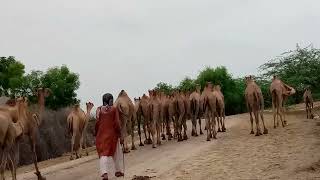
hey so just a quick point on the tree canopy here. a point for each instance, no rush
(62, 82)
(299, 68)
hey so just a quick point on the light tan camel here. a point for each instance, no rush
(155, 110)
(255, 105)
(220, 108)
(210, 108)
(127, 119)
(308, 100)
(207, 89)
(10, 130)
(138, 113)
(279, 91)
(164, 116)
(195, 110)
(173, 117)
(77, 121)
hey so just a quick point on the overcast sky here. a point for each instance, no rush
(133, 45)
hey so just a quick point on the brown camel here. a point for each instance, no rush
(77, 122)
(195, 110)
(220, 108)
(32, 124)
(10, 130)
(138, 114)
(127, 119)
(255, 105)
(279, 91)
(146, 115)
(155, 110)
(181, 116)
(308, 100)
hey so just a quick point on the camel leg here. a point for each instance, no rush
(80, 150)
(274, 113)
(201, 132)
(214, 132)
(223, 119)
(265, 130)
(35, 159)
(281, 112)
(145, 133)
(85, 143)
(2, 164)
(180, 128)
(194, 129)
(168, 129)
(133, 146)
(159, 133)
(153, 133)
(12, 165)
(251, 121)
(139, 132)
(256, 115)
(72, 145)
(185, 136)
(218, 121)
(208, 129)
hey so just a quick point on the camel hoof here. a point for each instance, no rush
(196, 135)
(71, 158)
(224, 129)
(275, 127)
(154, 147)
(141, 144)
(126, 151)
(208, 139)
(265, 131)
(201, 133)
(219, 130)
(185, 137)
(214, 137)
(133, 148)
(257, 134)
(163, 137)
(252, 132)
(87, 153)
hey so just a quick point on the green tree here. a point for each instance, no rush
(11, 76)
(298, 68)
(63, 85)
(232, 89)
(187, 84)
(164, 87)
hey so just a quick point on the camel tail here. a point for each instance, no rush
(193, 106)
(70, 124)
(275, 99)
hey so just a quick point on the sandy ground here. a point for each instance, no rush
(285, 153)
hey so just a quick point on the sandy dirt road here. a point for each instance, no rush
(289, 153)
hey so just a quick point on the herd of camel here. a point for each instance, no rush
(156, 113)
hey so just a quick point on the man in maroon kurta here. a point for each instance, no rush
(108, 133)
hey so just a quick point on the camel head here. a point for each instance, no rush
(89, 106)
(209, 86)
(43, 92)
(198, 88)
(137, 100)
